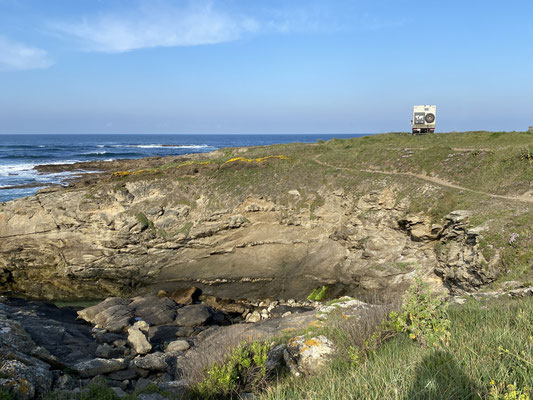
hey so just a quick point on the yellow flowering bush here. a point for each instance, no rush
(502, 391)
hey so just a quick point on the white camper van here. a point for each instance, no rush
(424, 119)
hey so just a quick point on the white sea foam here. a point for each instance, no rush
(27, 169)
(163, 146)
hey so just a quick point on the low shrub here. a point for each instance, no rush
(422, 316)
(243, 371)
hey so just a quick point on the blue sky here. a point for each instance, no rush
(250, 66)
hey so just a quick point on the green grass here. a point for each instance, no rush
(402, 369)
(488, 162)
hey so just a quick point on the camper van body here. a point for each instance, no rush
(424, 118)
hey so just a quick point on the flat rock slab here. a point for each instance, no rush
(100, 366)
(55, 329)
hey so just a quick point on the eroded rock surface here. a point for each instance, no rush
(112, 238)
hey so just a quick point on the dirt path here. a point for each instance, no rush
(432, 179)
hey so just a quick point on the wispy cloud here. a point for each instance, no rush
(18, 56)
(157, 24)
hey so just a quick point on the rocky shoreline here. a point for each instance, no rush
(129, 344)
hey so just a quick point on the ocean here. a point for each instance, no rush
(19, 154)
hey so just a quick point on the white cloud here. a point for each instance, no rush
(158, 24)
(18, 56)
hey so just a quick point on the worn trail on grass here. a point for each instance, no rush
(432, 179)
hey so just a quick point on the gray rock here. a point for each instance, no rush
(138, 340)
(194, 315)
(185, 331)
(126, 374)
(39, 380)
(185, 296)
(21, 388)
(89, 314)
(275, 357)
(152, 362)
(107, 337)
(66, 382)
(142, 383)
(155, 310)
(114, 319)
(253, 317)
(99, 366)
(119, 392)
(177, 345)
(175, 387)
(107, 351)
(161, 334)
(308, 356)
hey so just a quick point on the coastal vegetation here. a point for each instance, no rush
(342, 226)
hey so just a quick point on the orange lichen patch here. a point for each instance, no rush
(311, 342)
(256, 160)
(315, 324)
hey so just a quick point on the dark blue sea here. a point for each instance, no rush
(20, 153)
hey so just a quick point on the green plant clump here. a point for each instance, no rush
(422, 316)
(318, 294)
(244, 370)
(144, 221)
(5, 395)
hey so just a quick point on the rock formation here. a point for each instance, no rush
(113, 238)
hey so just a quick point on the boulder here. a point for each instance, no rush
(89, 314)
(275, 357)
(194, 315)
(308, 356)
(125, 374)
(66, 382)
(154, 310)
(225, 305)
(107, 351)
(253, 317)
(177, 345)
(151, 362)
(137, 339)
(163, 333)
(185, 296)
(185, 331)
(114, 319)
(100, 366)
(25, 380)
(178, 388)
(107, 337)
(119, 392)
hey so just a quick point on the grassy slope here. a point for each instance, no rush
(402, 369)
(484, 162)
